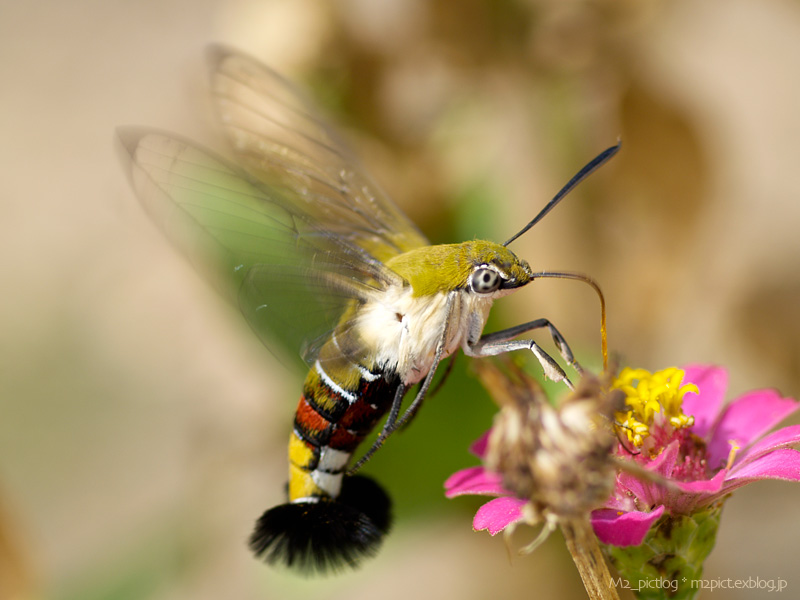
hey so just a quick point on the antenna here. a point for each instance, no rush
(595, 163)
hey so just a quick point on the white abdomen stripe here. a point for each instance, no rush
(349, 396)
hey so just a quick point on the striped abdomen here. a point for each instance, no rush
(339, 407)
(330, 521)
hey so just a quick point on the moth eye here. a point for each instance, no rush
(485, 281)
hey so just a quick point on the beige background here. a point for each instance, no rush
(143, 428)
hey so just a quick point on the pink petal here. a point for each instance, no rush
(704, 487)
(704, 407)
(665, 463)
(690, 495)
(497, 514)
(623, 528)
(746, 419)
(478, 447)
(475, 480)
(783, 463)
(630, 485)
(788, 436)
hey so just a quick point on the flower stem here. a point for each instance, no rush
(585, 550)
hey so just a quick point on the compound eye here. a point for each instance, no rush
(485, 281)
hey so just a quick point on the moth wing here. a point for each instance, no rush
(279, 139)
(290, 276)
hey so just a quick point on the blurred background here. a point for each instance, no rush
(143, 428)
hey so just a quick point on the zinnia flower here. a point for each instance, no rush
(675, 426)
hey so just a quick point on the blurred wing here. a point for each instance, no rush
(290, 276)
(279, 140)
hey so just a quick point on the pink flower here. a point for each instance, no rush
(707, 453)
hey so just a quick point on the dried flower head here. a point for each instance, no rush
(557, 459)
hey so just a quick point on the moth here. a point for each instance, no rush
(303, 241)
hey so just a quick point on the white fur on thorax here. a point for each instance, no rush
(404, 331)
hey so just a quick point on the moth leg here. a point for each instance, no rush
(552, 370)
(385, 432)
(393, 423)
(502, 341)
(558, 339)
(447, 370)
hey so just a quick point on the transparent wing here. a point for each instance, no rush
(279, 140)
(290, 276)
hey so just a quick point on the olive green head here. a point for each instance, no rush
(478, 266)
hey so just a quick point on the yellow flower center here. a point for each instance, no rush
(652, 399)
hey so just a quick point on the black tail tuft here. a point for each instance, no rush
(327, 535)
